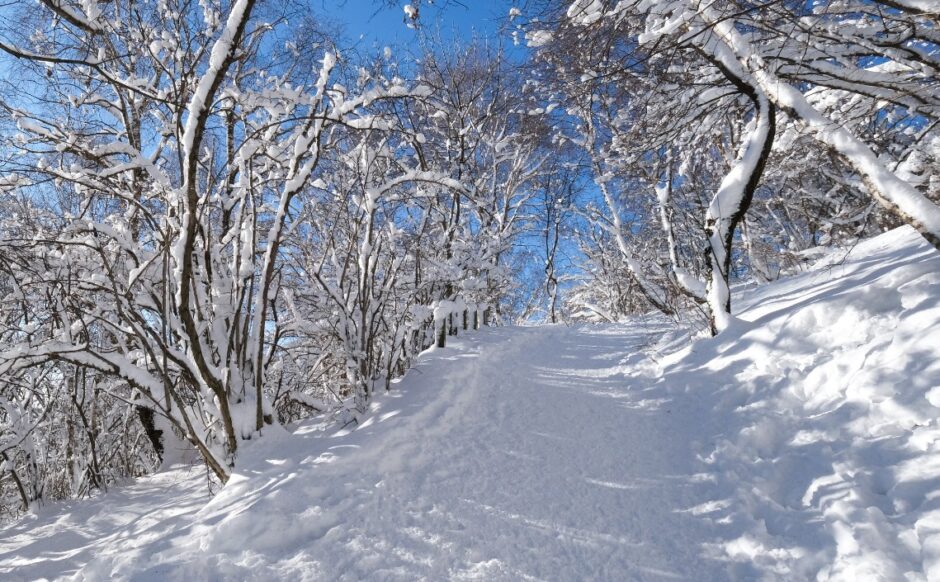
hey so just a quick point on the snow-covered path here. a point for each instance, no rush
(551, 464)
(518, 453)
(579, 471)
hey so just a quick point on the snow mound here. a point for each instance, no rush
(827, 393)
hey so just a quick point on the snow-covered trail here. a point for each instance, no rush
(580, 471)
(550, 464)
(518, 453)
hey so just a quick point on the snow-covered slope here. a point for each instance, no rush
(828, 395)
(801, 443)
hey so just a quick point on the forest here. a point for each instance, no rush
(220, 218)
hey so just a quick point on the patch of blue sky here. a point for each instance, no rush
(376, 24)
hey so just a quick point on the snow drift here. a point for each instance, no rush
(827, 393)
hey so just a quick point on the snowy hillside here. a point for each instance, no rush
(802, 443)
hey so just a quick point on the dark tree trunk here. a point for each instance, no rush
(442, 335)
(154, 435)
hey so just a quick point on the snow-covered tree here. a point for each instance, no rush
(671, 93)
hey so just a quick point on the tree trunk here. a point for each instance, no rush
(442, 335)
(154, 435)
(24, 498)
(734, 195)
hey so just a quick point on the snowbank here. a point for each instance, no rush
(825, 405)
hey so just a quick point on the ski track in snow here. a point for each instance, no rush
(802, 443)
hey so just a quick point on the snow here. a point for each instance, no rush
(802, 443)
(61, 538)
(586, 12)
(221, 50)
(538, 38)
(91, 10)
(827, 451)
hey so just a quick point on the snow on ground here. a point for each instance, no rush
(802, 443)
(829, 393)
(59, 539)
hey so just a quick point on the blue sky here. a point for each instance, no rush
(374, 22)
